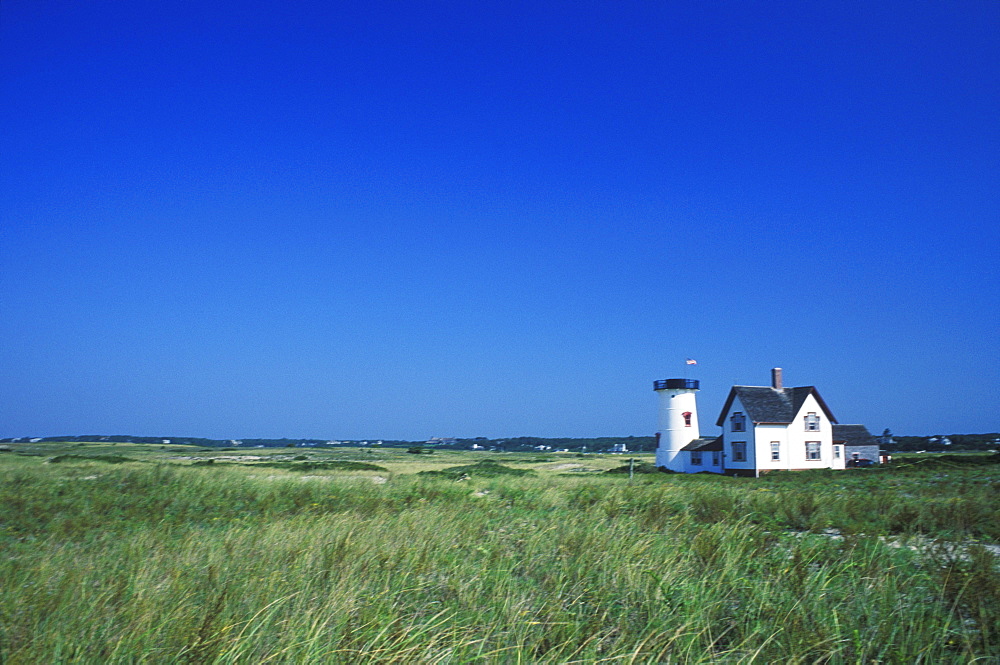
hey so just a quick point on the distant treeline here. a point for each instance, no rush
(592, 445)
(943, 442)
(197, 441)
(892, 443)
(515, 444)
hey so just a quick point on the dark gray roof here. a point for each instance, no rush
(853, 435)
(705, 443)
(770, 405)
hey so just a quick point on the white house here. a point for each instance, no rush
(764, 428)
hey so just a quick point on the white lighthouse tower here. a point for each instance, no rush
(678, 420)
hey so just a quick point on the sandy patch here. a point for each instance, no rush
(919, 543)
(575, 468)
(378, 480)
(228, 458)
(915, 543)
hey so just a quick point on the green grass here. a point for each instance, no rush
(158, 560)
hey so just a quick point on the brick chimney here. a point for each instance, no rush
(776, 378)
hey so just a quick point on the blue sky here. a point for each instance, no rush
(403, 220)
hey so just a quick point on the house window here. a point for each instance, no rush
(695, 458)
(739, 451)
(812, 422)
(739, 422)
(716, 456)
(775, 450)
(836, 452)
(687, 418)
(812, 450)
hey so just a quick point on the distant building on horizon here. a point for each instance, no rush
(440, 441)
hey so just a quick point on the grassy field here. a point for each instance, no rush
(137, 553)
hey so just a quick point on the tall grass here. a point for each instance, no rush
(156, 563)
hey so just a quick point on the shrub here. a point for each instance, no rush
(107, 459)
(483, 469)
(642, 467)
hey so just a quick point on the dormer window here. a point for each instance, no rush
(812, 422)
(687, 418)
(739, 422)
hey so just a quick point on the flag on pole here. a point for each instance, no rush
(690, 361)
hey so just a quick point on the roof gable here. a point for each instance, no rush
(772, 405)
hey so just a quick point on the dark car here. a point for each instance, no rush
(859, 463)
